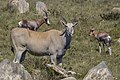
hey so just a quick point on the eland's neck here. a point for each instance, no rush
(40, 22)
(95, 33)
(67, 39)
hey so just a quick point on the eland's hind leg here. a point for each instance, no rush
(100, 48)
(23, 56)
(104, 47)
(108, 44)
(18, 55)
(110, 51)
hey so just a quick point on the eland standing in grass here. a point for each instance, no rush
(103, 39)
(53, 43)
(34, 24)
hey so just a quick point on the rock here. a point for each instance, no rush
(41, 8)
(115, 10)
(113, 14)
(12, 71)
(36, 74)
(13, 2)
(99, 72)
(12, 5)
(69, 78)
(118, 41)
(23, 6)
(19, 5)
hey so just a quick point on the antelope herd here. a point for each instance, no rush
(53, 43)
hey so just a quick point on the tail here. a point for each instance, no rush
(12, 49)
(11, 44)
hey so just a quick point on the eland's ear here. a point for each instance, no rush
(75, 24)
(92, 29)
(63, 23)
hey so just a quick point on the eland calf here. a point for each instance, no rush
(34, 24)
(103, 39)
(53, 43)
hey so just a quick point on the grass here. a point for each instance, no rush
(83, 54)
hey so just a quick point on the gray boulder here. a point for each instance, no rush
(69, 78)
(41, 8)
(23, 6)
(118, 41)
(115, 10)
(99, 72)
(12, 71)
(18, 5)
(13, 2)
(12, 5)
(36, 74)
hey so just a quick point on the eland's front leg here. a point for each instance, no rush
(53, 59)
(59, 57)
(59, 60)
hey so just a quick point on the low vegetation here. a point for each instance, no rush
(83, 53)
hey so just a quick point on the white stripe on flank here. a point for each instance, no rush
(108, 38)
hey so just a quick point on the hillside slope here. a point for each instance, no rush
(83, 54)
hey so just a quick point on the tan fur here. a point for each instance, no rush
(99, 34)
(96, 33)
(36, 41)
(103, 39)
(39, 22)
(53, 43)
